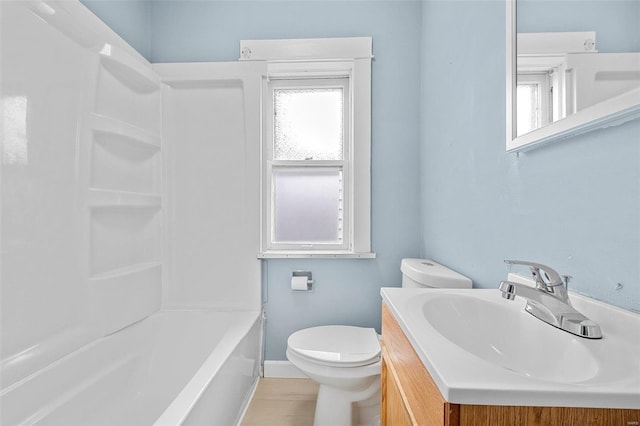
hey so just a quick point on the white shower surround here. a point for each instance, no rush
(130, 227)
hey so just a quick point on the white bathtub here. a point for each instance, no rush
(174, 367)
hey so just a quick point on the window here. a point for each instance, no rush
(544, 81)
(315, 147)
(533, 108)
(307, 163)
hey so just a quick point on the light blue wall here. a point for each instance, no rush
(616, 22)
(346, 291)
(574, 205)
(130, 19)
(438, 91)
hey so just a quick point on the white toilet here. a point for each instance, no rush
(345, 360)
(427, 273)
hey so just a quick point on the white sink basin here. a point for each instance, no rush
(509, 338)
(482, 349)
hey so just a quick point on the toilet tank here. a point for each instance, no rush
(424, 273)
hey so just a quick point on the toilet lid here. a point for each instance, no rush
(337, 345)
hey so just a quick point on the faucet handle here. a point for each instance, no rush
(537, 269)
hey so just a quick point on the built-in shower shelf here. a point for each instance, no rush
(114, 129)
(132, 72)
(125, 270)
(109, 198)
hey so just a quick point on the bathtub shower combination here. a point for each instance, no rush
(174, 367)
(130, 227)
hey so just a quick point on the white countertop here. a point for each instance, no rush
(465, 378)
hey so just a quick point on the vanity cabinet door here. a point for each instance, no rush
(394, 412)
(407, 383)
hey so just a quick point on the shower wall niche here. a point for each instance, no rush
(124, 190)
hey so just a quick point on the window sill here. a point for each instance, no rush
(299, 254)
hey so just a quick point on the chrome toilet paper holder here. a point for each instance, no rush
(307, 274)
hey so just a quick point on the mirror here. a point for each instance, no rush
(572, 67)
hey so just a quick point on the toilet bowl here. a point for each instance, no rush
(345, 362)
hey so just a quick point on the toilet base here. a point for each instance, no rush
(336, 407)
(367, 412)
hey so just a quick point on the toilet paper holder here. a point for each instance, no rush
(304, 274)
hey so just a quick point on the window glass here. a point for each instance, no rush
(528, 108)
(308, 205)
(308, 124)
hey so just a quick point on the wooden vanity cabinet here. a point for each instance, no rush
(411, 398)
(409, 395)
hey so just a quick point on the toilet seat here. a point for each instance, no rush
(336, 345)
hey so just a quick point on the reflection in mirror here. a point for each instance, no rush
(546, 77)
(577, 67)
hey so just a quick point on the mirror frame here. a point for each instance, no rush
(611, 112)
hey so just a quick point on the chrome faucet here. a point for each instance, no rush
(549, 300)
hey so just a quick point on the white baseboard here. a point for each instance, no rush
(282, 370)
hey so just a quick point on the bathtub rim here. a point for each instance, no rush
(181, 406)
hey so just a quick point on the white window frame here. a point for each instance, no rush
(270, 163)
(550, 74)
(321, 59)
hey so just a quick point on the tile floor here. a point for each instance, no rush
(282, 402)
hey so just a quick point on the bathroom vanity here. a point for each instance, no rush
(428, 379)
